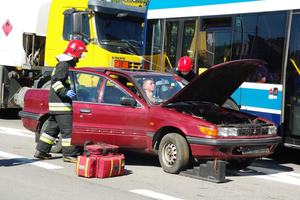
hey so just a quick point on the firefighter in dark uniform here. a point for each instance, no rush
(60, 105)
(184, 69)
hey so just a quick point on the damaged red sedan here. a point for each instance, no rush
(180, 121)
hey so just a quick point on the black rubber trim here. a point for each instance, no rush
(234, 142)
(29, 115)
(150, 134)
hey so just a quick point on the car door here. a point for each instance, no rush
(100, 117)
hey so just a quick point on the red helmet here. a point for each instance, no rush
(75, 48)
(185, 64)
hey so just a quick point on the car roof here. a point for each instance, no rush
(127, 71)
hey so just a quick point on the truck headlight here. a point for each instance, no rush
(225, 132)
(272, 130)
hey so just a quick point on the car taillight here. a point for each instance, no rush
(121, 64)
(209, 130)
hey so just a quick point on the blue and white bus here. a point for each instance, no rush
(216, 31)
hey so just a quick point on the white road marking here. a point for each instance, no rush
(276, 175)
(18, 132)
(269, 174)
(154, 195)
(34, 162)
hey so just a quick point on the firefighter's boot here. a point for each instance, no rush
(70, 159)
(42, 155)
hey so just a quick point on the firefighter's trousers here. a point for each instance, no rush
(62, 123)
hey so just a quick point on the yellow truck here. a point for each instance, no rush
(35, 31)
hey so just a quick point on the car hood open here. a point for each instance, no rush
(217, 83)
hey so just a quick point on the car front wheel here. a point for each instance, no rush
(173, 153)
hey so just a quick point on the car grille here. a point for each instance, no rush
(251, 130)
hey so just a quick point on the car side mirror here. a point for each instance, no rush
(128, 101)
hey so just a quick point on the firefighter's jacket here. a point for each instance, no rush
(189, 77)
(59, 102)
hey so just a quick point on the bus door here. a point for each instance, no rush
(292, 85)
(181, 40)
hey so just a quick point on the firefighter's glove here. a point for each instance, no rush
(71, 94)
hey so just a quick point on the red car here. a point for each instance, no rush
(186, 120)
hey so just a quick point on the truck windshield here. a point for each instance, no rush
(115, 29)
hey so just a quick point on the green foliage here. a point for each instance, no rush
(131, 1)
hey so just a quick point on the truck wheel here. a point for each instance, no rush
(57, 146)
(240, 164)
(231, 104)
(173, 153)
(47, 85)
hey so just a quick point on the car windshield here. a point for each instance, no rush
(160, 88)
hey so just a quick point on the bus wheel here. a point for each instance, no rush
(230, 104)
(57, 146)
(173, 153)
(240, 164)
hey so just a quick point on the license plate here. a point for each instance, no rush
(255, 150)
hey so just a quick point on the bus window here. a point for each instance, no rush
(153, 51)
(214, 43)
(189, 33)
(261, 36)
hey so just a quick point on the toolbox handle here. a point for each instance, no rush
(102, 144)
(88, 142)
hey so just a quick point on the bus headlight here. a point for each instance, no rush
(272, 130)
(225, 132)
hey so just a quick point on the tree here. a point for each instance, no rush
(131, 1)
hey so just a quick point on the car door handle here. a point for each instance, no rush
(82, 110)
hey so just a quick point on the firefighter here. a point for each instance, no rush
(184, 69)
(60, 105)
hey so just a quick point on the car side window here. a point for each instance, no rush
(86, 86)
(112, 93)
(126, 82)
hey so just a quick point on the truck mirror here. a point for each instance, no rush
(77, 23)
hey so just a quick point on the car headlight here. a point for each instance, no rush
(272, 130)
(225, 132)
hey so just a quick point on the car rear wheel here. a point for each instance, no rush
(240, 164)
(173, 153)
(57, 146)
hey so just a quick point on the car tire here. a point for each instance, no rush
(173, 153)
(231, 104)
(240, 164)
(57, 146)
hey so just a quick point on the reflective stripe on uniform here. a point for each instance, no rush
(66, 142)
(47, 138)
(60, 107)
(68, 80)
(57, 85)
(53, 72)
